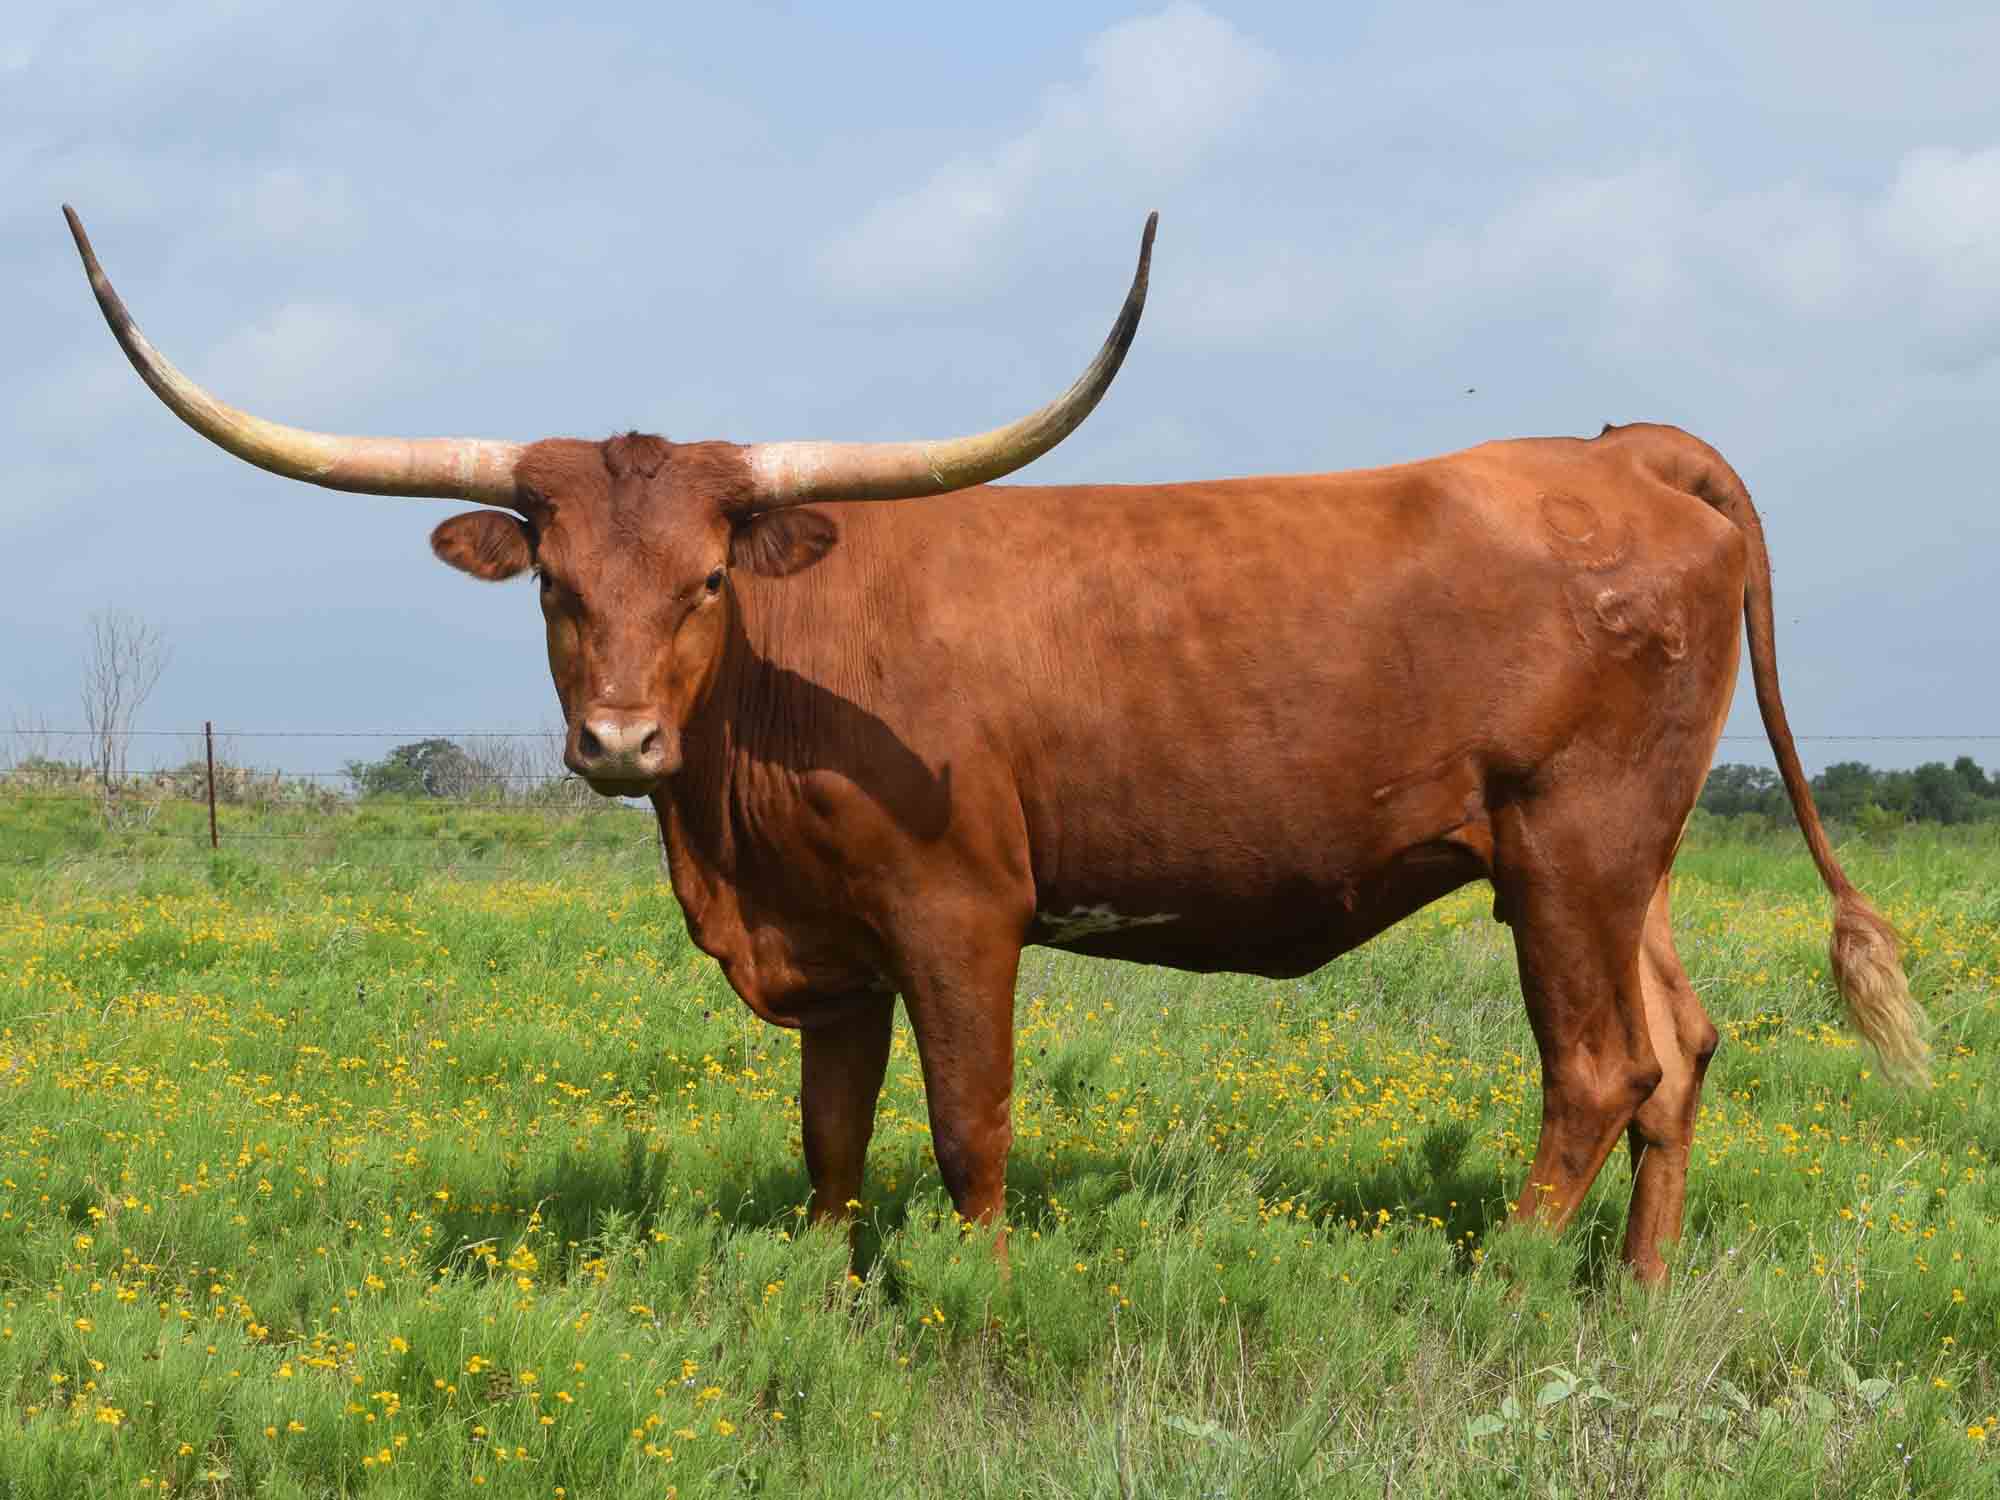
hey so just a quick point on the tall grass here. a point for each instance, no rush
(427, 1157)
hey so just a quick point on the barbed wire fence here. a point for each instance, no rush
(518, 770)
(247, 797)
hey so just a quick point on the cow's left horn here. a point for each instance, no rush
(444, 468)
(785, 474)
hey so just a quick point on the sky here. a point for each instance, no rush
(1386, 231)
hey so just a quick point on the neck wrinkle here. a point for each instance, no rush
(793, 675)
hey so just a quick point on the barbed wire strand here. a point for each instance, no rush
(476, 795)
(31, 731)
(35, 731)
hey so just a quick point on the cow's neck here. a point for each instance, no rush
(743, 753)
(697, 845)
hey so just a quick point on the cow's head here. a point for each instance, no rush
(633, 543)
(633, 539)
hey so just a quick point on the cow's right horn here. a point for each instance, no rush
(444, 468)
(786, 474)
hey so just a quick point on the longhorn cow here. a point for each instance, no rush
(1238, 724)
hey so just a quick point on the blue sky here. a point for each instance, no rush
(1777, 225)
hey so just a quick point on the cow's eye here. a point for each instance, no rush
(715, 582)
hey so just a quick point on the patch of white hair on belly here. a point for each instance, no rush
(1090, 921)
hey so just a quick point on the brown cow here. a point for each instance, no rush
(1243, 724)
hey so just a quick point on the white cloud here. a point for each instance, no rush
(1167, 85)
(1801, 244)
(68, 409)
(1646, 256)
(1613, 249)
(1940, 219)
(1275, 292)
(1162, 90)
(1611, 236)
(932, 237)
(1944, 207)
(287, 203)
(301, 362)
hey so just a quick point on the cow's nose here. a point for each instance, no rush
(621, 746)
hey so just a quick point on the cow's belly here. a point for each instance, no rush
(1282, 924)
(1185, 867)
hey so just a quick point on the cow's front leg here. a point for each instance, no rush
(961, 1007)
(840, 1080)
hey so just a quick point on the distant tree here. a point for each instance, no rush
(1855, 793)
(422, 768)
(1938, 794)
(1844, 788)
(1977, 782)
(1735, 789)
(1896, 792)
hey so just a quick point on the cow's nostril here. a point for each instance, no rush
(650, 745)
(588, 745)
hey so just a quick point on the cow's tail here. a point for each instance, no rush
(1866, 951)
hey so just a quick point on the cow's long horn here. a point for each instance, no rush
(784, 474)
(444, 468)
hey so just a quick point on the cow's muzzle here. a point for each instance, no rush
(622, 752)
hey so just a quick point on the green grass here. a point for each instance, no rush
(416, 1152)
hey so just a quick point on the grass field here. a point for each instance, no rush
(420, 1154)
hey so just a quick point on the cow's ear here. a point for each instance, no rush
(779, 542)
(488, 544)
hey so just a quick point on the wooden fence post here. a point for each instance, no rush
(208, 739)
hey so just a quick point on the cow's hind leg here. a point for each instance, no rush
(1575, 886)
(840, 1078)
(1661, 1134)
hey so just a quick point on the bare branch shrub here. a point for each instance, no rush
(555, 783)
(36, 756)
(491, 769)
(126, 659)
(33, 740)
